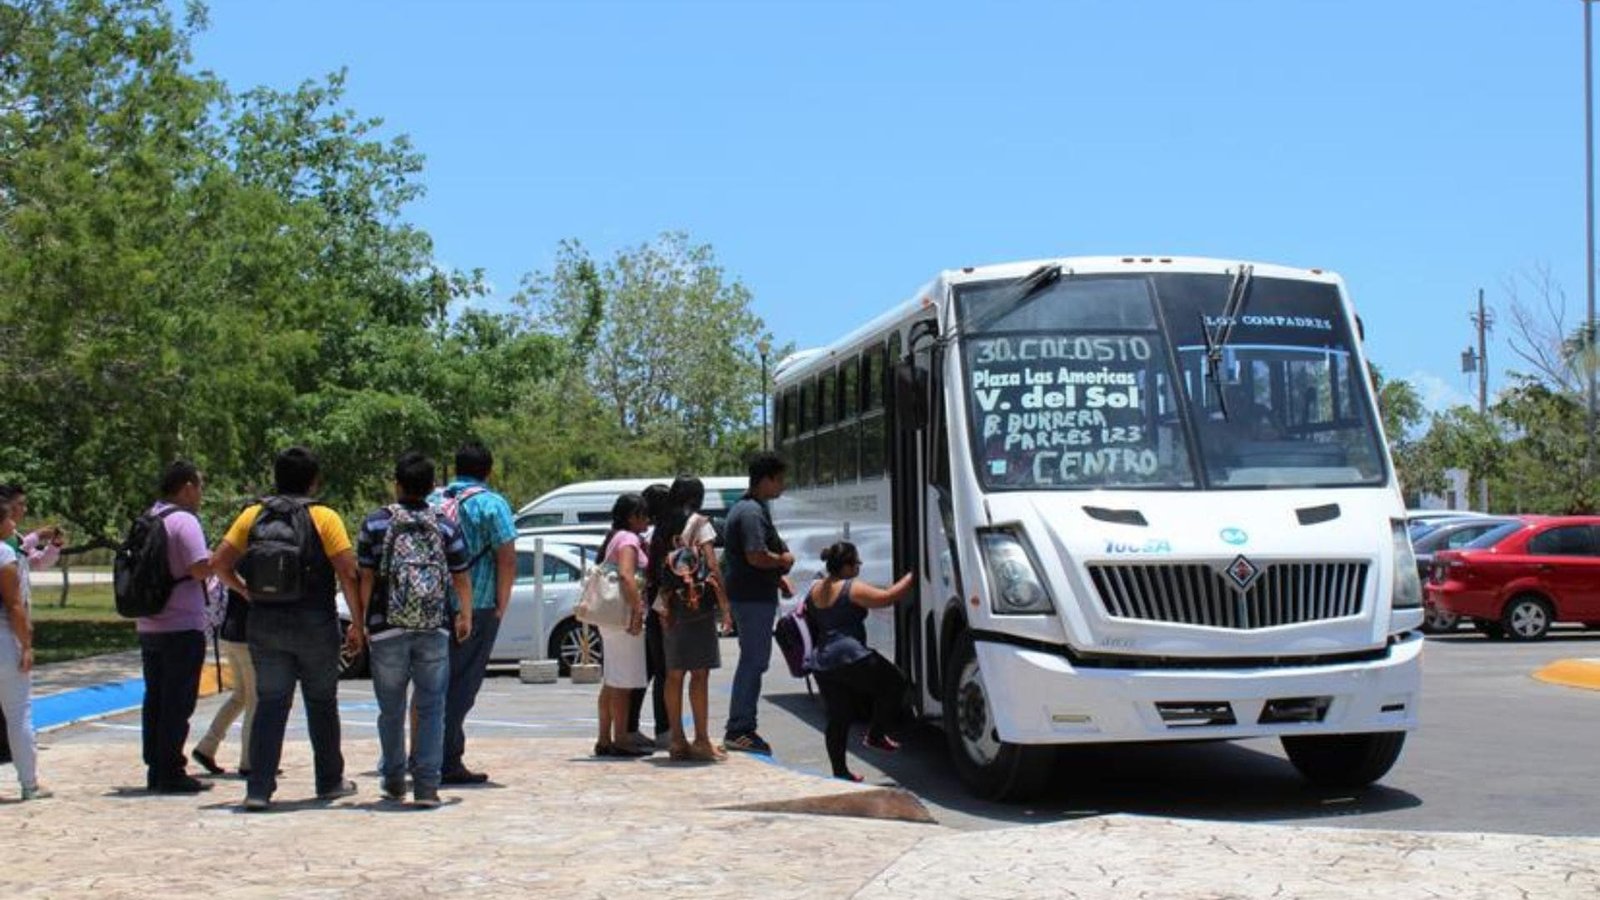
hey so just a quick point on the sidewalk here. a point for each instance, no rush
(558, 824)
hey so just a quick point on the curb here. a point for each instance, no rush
(1578, 673)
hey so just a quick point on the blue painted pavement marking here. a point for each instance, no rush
(86, 703)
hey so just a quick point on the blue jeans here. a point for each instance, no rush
(754, 619)
(420, 658)
(289, 646)
(468, 663)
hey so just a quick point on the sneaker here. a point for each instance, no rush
(426, 797)
(256, 804)
(183, 784)
(206, 761)
(749, 742)
(464, 776)
(37, 792)
(639, 741)
(663, 740)
(394, 789)
(345, 788)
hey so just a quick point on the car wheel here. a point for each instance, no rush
(1527, 618)
(1488, 629)
(352, 665)
(1344, 760)
(566, 645)
(992, 768)
(1438, 621)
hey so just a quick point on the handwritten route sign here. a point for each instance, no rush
(1066, 409)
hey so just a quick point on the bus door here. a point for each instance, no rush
(914, 422)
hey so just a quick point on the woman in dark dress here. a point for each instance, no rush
(849, 672)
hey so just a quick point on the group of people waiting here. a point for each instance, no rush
(663, 549)
(427, 582)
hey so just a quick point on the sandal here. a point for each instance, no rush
(601, 748)
(680, 751)
(703, 751)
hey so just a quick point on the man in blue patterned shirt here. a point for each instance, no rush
(484, 518)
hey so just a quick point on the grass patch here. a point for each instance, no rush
(85, 602)
(87, 626)
(66, 639)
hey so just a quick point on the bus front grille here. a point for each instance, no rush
(1204, 594)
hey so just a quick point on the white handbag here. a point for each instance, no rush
(601, 603)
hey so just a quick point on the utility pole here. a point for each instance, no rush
(1588, 198)
(1484, 320)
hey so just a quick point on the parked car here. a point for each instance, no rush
(589, 502)
(565, 556)
(1517, 580)
(1448, 534)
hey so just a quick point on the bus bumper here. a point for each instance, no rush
(1041, 698)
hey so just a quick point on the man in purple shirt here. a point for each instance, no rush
(173, 641)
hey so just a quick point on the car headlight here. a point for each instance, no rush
(1407, 586)
(1015, 587)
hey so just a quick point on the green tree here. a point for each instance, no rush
(1403, 413)
(673, 360)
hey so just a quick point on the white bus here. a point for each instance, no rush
(1146, 499)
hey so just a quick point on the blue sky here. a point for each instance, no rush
(838, 154)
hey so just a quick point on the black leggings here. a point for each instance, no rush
(847, 690)
(656, 670)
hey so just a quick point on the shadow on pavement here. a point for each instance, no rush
(1468, 636)
(1214, 780)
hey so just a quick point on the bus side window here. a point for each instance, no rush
(827, 428)
(800, 465)
(849, 446)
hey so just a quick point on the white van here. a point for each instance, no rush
(589, 502)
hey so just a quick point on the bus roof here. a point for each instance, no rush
(930, 295)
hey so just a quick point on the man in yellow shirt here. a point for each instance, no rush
(287, 556)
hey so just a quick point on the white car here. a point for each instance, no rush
(565, 556)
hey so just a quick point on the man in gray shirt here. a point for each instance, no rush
(758, 562)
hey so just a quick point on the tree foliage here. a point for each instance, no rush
(671, 359)
(185, 270)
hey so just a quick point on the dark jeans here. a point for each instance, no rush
(172, 662)
(469, 660)
(754, 619)
(289, 646)
(872, 683)
(655, 665)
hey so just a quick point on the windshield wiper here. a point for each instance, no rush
(1217, 339)
(1026, 288)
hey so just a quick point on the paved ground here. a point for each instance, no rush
(1149, 822)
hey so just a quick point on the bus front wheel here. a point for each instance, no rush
(992, 768)
(1344, 760)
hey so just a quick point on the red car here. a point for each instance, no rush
(1518, 580)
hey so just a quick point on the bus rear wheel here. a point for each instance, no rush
(992, 768)
(1344, 760)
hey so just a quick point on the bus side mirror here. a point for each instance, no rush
(910, 397)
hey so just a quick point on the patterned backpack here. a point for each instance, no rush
(415, 570)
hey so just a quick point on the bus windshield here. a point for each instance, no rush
(1139, 381)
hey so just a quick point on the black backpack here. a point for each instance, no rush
(282, 548)
(141, 577)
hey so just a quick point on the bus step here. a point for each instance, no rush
(1295, 709)
(1202, 714)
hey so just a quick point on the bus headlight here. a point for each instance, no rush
(1407, 586)
(1015, 587)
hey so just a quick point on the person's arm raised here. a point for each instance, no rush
(872, 597)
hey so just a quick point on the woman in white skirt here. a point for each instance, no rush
(623, 648)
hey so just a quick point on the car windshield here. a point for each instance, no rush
(1137, 381)
(1490, 538)
(1453, 533)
